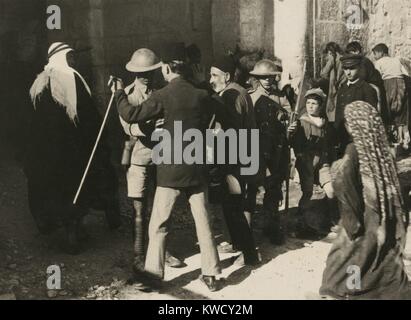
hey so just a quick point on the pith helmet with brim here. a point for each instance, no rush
(143, 60)
(266, 68)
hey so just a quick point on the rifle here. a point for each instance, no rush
(293, 118)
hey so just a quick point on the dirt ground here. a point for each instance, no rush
(291, 271)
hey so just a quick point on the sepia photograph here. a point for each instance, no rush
(217, 152)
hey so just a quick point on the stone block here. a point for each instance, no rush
(329, 10)
(118, 49)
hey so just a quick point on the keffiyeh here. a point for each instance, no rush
(61, 78)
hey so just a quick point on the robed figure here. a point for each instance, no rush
(63, 131)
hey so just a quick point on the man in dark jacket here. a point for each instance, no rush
(370, 74)
(353, 90)
(179, 104)
(236, 112)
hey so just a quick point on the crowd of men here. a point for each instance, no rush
(64, 128)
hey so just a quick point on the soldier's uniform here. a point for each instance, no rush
(271, 118)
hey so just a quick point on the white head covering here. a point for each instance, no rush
(62, 79)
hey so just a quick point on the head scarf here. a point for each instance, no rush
(381, 186)
(61, 78)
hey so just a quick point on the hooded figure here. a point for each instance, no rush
(373, 215)
(63, 131)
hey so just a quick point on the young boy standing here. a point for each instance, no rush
(393, 72)
(308, 137)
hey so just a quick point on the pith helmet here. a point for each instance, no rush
(266, 68)
(143, 60)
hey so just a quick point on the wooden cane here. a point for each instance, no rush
(90, 160)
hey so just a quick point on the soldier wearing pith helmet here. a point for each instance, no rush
(271, 118)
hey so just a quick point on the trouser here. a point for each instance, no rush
(272, 181)
(273, 190)
(234, 206)
(397, 99)
(164, 201)
(308, 177)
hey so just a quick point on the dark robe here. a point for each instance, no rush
(56, 156)
(356, 245)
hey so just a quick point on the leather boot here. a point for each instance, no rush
(139, 231)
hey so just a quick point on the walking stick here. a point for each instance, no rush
(90, 160)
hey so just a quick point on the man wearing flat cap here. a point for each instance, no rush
(271, 118)
(137, 152)
(177, 103)
(235, 112)
(355, 89)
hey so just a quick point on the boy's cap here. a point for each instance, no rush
(316, 92)
(351, 60)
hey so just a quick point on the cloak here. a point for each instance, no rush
(57, 153)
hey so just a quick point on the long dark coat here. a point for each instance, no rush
(56, 157)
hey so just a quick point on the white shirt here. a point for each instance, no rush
(349, 83)
(390, 68)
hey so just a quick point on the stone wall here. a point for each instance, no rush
(107, 32)
(390, 22)
(22, 38)
(290, 34)
(248, 24)
(132, 24)
(387, 21)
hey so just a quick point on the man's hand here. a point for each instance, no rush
(115, 84)
(199, 73)
(293, 127)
